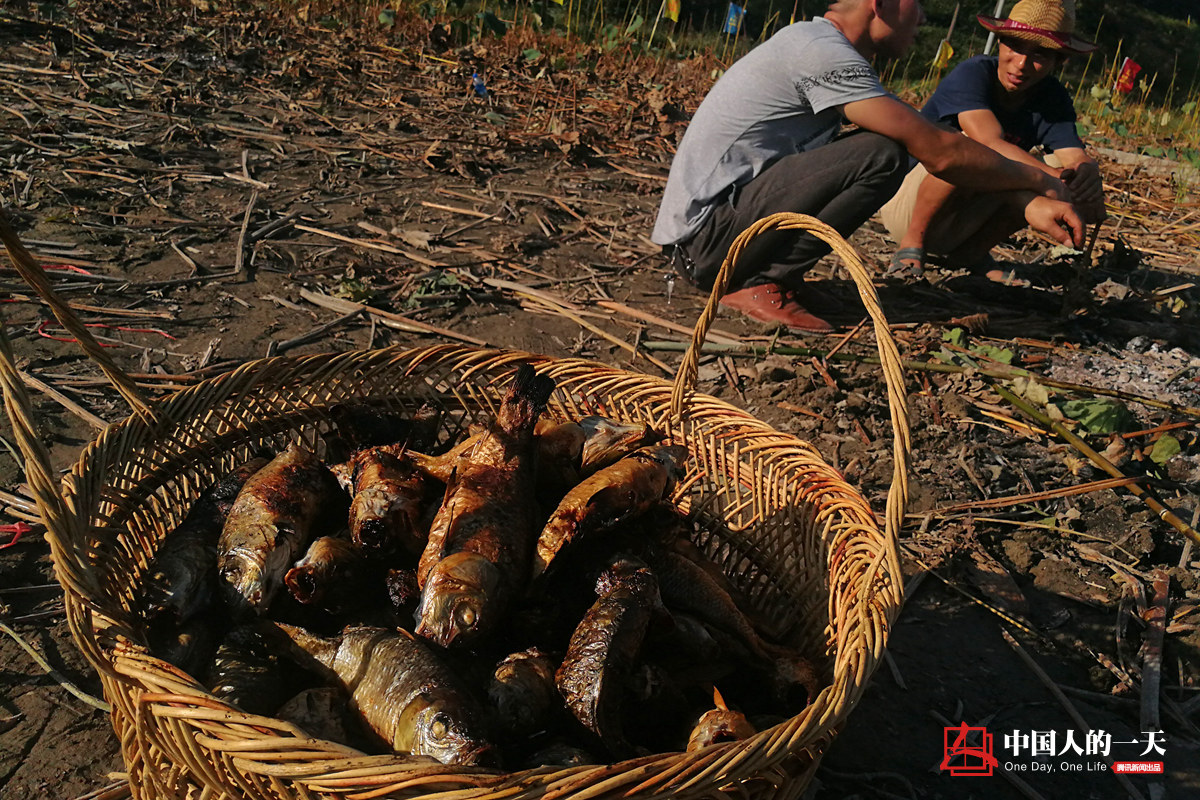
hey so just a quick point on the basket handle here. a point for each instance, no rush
(64, 530)
(893, 372)
(62, 526)
(33, 274)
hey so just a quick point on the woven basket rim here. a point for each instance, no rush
(94, 456)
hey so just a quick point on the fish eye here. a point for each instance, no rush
(466, 615)
(439, 727)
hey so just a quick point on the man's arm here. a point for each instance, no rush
(962, 161)
(982, 126)
(952, 157)
(1079, 172)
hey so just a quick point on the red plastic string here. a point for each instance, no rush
(61, 267)
(45, 323)
(17, 529)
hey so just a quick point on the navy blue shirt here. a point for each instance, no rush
(1047, 117)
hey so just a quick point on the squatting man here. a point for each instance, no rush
(764, 140)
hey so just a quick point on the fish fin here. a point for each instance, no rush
(526, 399)
(611, 497)
(451, 484)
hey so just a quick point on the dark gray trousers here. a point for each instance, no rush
(842, 184)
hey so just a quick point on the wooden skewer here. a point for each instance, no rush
(1075, 294)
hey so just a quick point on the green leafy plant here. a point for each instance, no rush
(958, 338)
(353, 289)
(1165, 447)
(1100, 415)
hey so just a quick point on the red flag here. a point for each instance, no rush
(1129, 71)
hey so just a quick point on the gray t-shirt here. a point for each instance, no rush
(783, 97)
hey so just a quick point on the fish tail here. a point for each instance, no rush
(526, 399)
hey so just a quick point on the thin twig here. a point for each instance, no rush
(386, 317)
(114, 791)
(53, 673)
(1156, 623)
(240, 266)
(316, 333)
(70, 405)
(1038, 497)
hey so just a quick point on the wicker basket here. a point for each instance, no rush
(800, 542)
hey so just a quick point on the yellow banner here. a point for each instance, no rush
(671, 10)
(944, 53)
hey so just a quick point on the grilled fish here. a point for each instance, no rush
(692, 651)
(559, 446)
(720, 724)
(328, 574)
(441, 467)
(403, 691)
(606, 442)
(369, 425)
(189, 645)
(522, 692)
(402, 591)
(388, 504)
(270, 524)
(688, 587)
(248, 671)
(180, 581)
(615, 494)
(478, 549)
(343, 473)
(322, 712)
(600, 657)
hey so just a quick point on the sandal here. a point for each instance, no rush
(899, 269)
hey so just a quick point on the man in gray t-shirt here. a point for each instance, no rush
(764, 140)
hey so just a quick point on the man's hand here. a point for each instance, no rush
(1056, 219)
(1055, 188)
(1087, 190)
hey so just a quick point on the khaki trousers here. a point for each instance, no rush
(956, 223)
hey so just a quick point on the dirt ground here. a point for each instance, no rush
(216, 187)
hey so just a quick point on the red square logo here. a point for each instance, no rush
(968, 759)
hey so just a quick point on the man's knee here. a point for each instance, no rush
(888, 158)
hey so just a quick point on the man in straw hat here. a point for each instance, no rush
(765, 140)
(1013, 104)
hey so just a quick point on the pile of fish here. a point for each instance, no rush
(528, 597)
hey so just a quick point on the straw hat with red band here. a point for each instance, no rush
(1049, 23)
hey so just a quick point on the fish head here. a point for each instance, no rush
(672, 457)
(522, 689)
(719, 725)
(166, 599)
(245, 581)
(462, 596)
(617, 570)
(374, 534)
(607, 441)
(444, 727)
